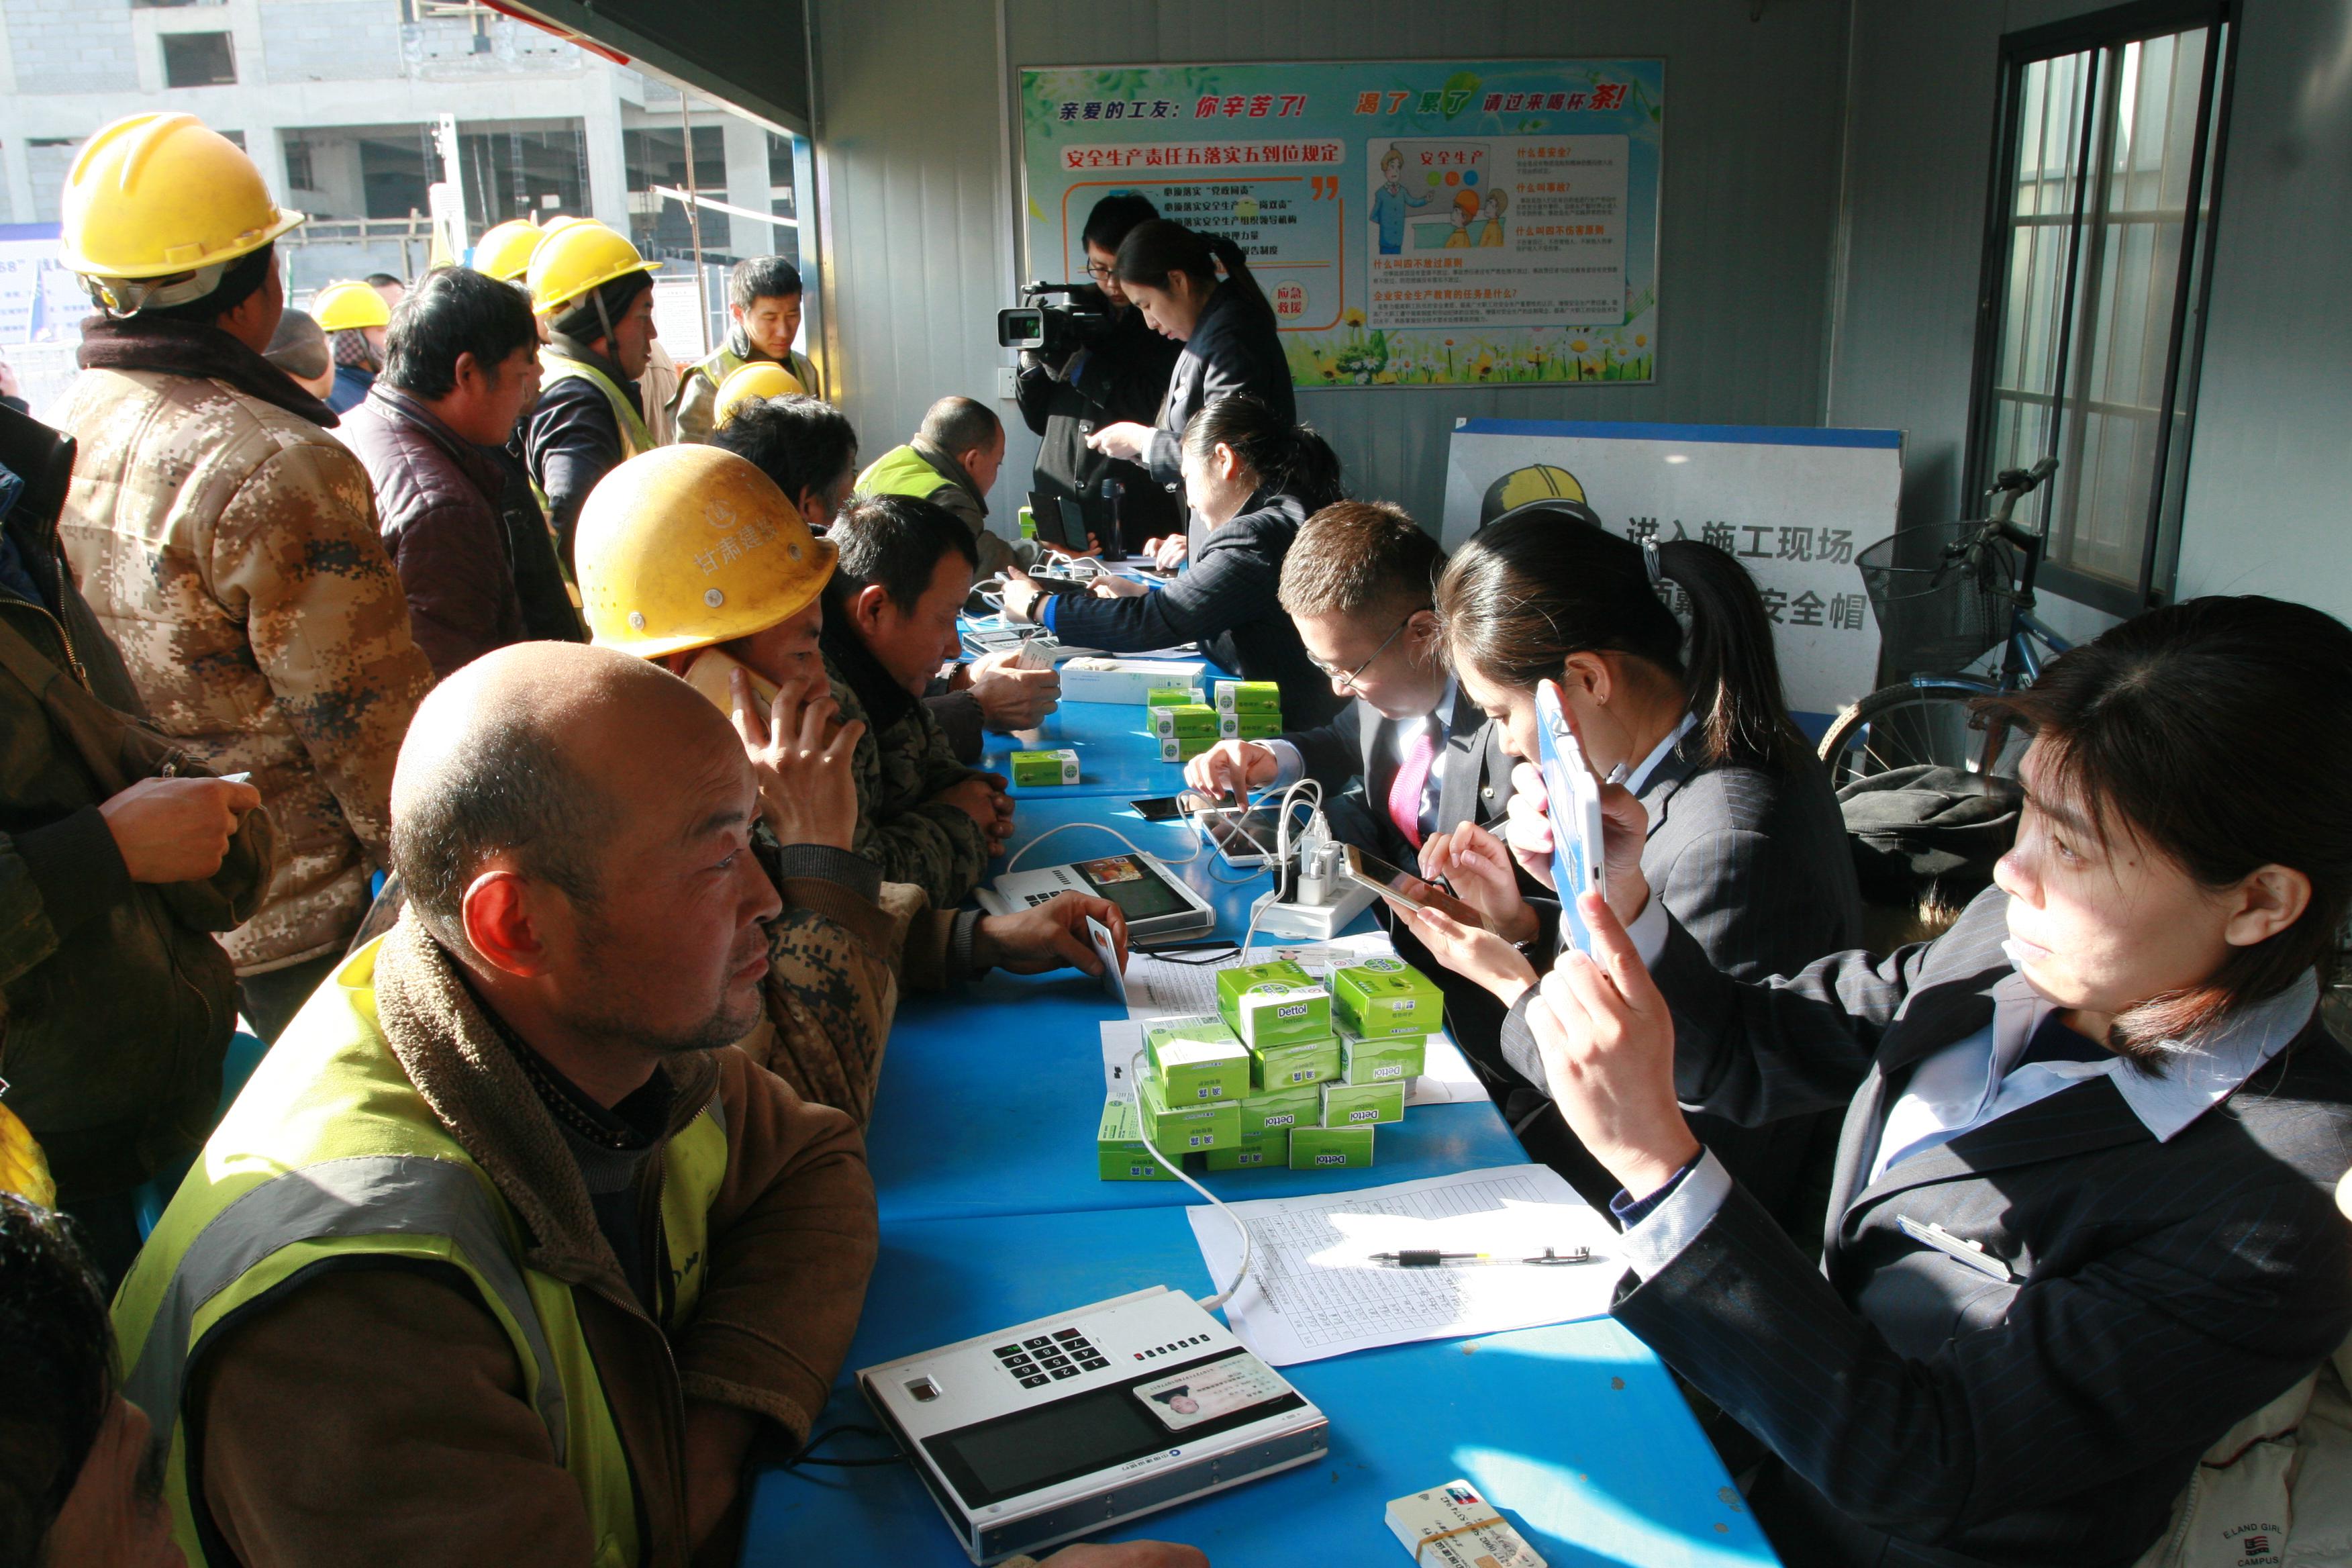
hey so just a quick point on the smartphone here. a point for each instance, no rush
(708, 674)
(1160, 808)
(1245, 837)
(1573, 797)
(1404, 888)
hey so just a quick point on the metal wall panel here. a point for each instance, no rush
(913, 126)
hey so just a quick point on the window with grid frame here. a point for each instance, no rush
(2105, 171)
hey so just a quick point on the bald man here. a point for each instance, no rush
(505, 1256)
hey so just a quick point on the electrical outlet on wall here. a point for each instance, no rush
(1007, 383)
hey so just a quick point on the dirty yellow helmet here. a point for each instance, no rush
(685, 546)
(504, 252)
(156, 196)
(573, 259)
(753, 383)
(1536, 482)
(347, 307)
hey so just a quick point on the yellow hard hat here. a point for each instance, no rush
(154, 196)
(577, 257)
(504, 252)
(756, 382)
(1536, 482)
(347, 307)
(685, 546)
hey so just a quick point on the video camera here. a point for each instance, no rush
(1057, 319)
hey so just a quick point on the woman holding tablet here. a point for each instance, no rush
(2083, 1220)
(1251, 477)
(1227, 329)
(1745, 842)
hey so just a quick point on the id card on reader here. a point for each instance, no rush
(1573, 797)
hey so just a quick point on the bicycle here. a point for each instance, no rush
(1943, 612)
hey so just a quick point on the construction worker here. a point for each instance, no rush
(592, 291)
(952, 462)
(691, 556)
(226, 541)
(354, 318)
(763, 296)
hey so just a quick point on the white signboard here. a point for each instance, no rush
(1794, 506)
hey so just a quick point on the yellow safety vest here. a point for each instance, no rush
(901, 471)
(723, 361)
(635, 438)
(331, 1153)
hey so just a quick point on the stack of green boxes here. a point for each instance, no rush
(1287, 1073)
(1183, 729)
(1248, 709)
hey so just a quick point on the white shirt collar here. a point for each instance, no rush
(1641, 775)
(2195, 1078)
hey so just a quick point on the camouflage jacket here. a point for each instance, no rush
(903, 760)
(228, 545)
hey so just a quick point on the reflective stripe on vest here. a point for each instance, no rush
(366, 1196)
(901, 471)
(331, 1153)
(635, 439)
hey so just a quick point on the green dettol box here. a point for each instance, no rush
(1176, 1131)
(1381, 1061)
(1272, 1004)
(1197, 1058)
(1363, 1104)
(1331, 1148)
(1300, 1064)
(1257, 1151)
(1381, 997)
(1119, 1148)
(1279, 1110)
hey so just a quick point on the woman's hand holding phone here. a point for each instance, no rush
(1526, 823)
(1477, 865)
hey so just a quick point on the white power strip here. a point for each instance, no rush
(1320, 921)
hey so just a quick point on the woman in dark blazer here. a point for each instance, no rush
(2082, 1222)
(1225, 325)
(1745, 843)
(1253, 477)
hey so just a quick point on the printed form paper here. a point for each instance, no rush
(1313, 1291)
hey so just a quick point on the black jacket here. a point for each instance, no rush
(436, 502)
(1123, 377)
(116, 1005)
(1926, 1413)
(1233, 348)
(569, 441)
(548, 613)
(1226, 599)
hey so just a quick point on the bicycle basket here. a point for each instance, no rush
(1941, 594)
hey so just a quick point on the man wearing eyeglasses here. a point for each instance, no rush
(1119, 375)
(1412, 754)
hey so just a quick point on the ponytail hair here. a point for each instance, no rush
(1288, 458)
(1540, 584)
(1156, 251)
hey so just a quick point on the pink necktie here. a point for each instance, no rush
(1412, 777)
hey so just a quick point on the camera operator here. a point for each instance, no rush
(1227, 329)
(1117, 370)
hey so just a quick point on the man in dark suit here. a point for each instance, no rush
(1412, 755)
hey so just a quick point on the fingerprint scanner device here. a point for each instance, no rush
(1157, 905)
(1573, 797)
(1071, 1425)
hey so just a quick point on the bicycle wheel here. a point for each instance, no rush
(1905, 726)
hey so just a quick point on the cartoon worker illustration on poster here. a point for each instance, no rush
(1536, 482)
(1390, 202)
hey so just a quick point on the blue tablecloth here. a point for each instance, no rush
(993, 1212)
(1115, 756)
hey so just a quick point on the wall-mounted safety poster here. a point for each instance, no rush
(1414, 223)
(1794, 506)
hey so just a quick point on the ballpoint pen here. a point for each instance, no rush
(1430, 1258)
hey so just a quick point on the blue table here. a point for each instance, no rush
(1577, 1431)
(1116, 755)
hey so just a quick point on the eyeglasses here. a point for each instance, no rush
(1347, 679)
(1099, 273)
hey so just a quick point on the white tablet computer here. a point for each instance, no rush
(1157, 905)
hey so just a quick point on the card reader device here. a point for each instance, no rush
(1069, 1425)
(1157, 905)
(1573, 800)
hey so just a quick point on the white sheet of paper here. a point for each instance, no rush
(1314, 1292)
(1106, 949)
